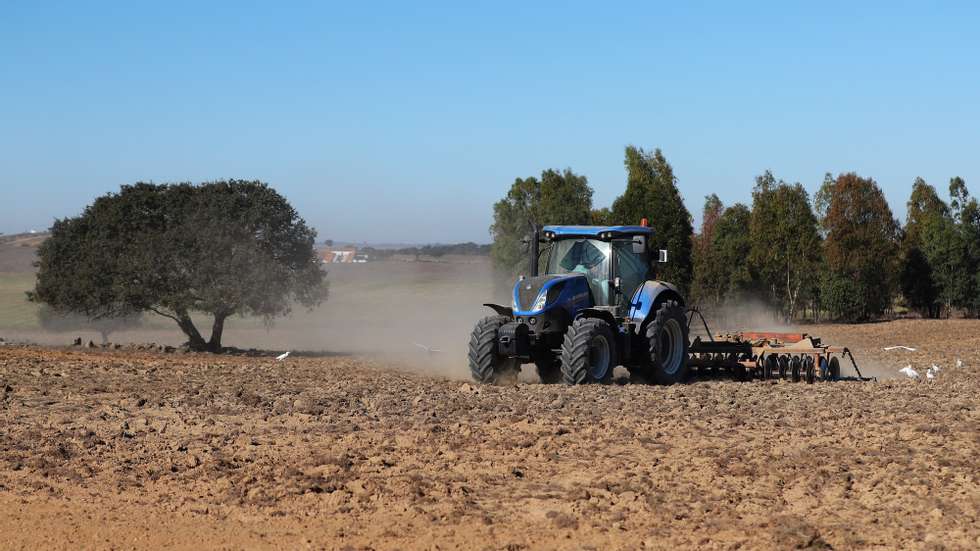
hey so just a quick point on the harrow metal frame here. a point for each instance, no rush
(759, 353)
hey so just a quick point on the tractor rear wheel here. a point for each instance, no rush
(588, 353)
(486, 365)
(667, 339)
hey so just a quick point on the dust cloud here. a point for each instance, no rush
(418, 316)
(415, 315)
(743, 315)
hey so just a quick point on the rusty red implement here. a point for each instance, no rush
(770, 355)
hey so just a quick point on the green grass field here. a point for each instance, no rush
(15, 311)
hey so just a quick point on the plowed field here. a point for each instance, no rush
(111, 449)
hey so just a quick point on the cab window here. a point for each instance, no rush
(631, 268)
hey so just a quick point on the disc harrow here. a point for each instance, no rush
(796, 357)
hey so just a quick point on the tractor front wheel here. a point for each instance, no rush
(667, 338)
(588, 353)
(486, 365)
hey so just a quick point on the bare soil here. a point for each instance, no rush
(129, 450)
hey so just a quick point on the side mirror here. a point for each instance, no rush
(618, 285)
(662, 257)
(639, 244)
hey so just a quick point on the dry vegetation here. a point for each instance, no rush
(113, 449)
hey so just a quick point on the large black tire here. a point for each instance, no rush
(668, 342)
(486, 365)
(588, 353)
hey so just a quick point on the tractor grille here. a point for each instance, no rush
(528, 290)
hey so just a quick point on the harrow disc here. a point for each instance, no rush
(834, 369)
(810, 370)
(771, 366)
(783, 366)
(795, 366)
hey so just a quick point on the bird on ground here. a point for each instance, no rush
(428, 349)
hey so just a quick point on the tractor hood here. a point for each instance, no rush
(537, 294)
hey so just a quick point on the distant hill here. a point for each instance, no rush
(19, 251)
(24, 239)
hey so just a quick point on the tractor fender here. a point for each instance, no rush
(598, 313)
(502, 310)
(647, 299)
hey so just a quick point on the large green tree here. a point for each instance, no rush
(557, 198)
(722, 273)
(732, 244)
(220, 248)
(859, 250)
(707, 284)
(946, 251)
(970, 229)
(941, 250)
(916, 279)
(651, 193)
(785, 252)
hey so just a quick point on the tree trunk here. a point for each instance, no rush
(214, 345)
(194, 338)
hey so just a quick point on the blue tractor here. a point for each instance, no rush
(598, 305)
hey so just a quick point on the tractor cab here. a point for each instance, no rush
(615, 260)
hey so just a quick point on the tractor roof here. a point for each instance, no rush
(596, 231)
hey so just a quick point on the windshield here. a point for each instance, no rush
(584, 256)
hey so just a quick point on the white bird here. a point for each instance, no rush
(909, 372)
(933, 371)
(959, 363)
(428, 349)
(887, 348)
(282, 356)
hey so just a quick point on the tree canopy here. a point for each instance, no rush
(651, 193)
(220, 248)
(721, 272)
(557, 198)
(859, 250)
(785, 251)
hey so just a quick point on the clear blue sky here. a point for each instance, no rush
(396, 122)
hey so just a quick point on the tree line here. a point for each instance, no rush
(839, 255)
(463, 249)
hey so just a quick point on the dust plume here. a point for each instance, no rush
(742, 315)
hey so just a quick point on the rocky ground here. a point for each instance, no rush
(121, 449)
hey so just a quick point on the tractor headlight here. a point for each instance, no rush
(540, 303)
